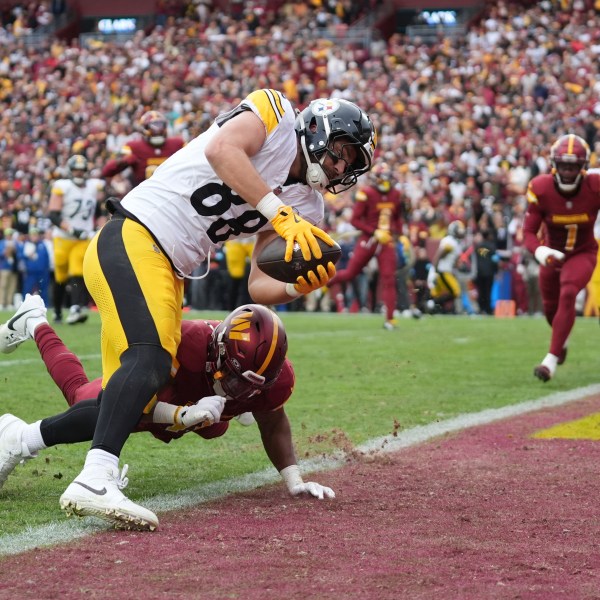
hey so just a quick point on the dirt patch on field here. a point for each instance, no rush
(487, 513)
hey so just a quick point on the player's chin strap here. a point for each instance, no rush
(315, 176)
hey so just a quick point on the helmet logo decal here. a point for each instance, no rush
(324, 107)
(240, 326)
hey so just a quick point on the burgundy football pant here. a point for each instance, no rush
(559, 288)
(365, 248)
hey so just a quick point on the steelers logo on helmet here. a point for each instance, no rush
(324, 107)
(77, 167)
(569, 157)
(341, 130)
(247, 352)
(153, 125)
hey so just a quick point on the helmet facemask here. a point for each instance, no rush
(77, 168)
(569, 157)
(382, 177)
(153, 125)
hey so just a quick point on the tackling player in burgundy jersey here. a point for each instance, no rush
(559, 231)
(191, 380)
(223, 369)
(377, 213)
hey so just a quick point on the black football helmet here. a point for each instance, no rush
(153, 126)
(247, 351)
(77, 168)
(320, 124)
(569, 157)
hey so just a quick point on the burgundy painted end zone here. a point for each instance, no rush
(488, 513)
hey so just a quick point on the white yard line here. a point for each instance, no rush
(68, 530)
(36, 360)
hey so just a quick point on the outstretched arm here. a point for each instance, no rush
(276, 435)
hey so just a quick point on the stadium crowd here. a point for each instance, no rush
(464, 123)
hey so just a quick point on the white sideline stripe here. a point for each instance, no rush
(29, 361)
(68, 530)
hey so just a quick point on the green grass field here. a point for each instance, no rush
(353, 379)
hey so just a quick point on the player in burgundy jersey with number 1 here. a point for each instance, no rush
(145, 154)
(559, 231)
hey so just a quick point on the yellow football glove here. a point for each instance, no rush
(293, 228)
(315, 280)
(383, 236)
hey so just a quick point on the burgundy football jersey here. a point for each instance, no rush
(564, 223)
(143, 158)
(374, 210)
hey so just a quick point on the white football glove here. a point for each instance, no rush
(246, 419)
(296, 486)
(313, 489)
(546, 256)
(206, 411)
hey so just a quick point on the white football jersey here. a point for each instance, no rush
(190, 211)
(79, 204)
(453, 248)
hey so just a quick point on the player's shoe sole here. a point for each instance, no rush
(12, 450)
(117, 518)
(97, 493)
(542, 373)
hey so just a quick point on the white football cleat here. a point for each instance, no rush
(12, 448)
(14, 332)
(96, 492)
(76, 315)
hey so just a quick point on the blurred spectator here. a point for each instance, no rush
(419, 274)
(486, 265)
(8, 268)
(36, 263)
(237, 259)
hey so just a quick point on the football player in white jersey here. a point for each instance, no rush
(74, 211)
(443, 283)
(258, 170)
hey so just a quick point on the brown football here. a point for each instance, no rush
(272, 260)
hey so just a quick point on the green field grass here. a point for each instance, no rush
(354, 379)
